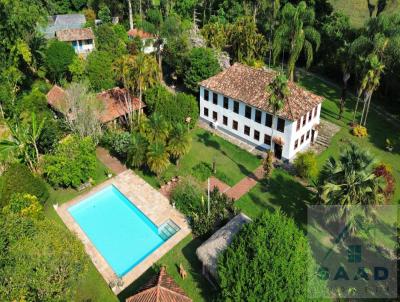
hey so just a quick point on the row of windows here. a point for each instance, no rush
(248, 112)
(235, 126)
(306, 137)
(301, 122)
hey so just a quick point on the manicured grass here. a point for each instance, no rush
(232, 162)
(194, 285)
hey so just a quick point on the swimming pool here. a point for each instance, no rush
(121, 233)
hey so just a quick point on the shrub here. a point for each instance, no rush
(58, 56)
(187, 195)
(359, 131)
(72, 163)
(19, 179)
(386, 173)
(23, 204)
(269, 248)
(109, 40)
(202, 171)
(306, 164)
(49, 136)
(268, 164)
(202, 64)
(99, 70)
(117, 143)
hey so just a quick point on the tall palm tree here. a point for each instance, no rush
(157, 158)
(136, 155)
(147, 72)
(179, 142)
(296, 31)
(370, 83)
(157, 128)
(278, 92)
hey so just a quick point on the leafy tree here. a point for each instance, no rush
(268, 260)
(58, 56)
(350, 180)
(306, 164)
(179, 142)
(18, 179)
(117, 142)
(202, 64)
(72, 163)
(78, 4)
(99, 70)
(215, 34)
(32, 252)
(157, 129)
(297, 34)
(157, 157)
(137, 150)
(104, 13)
(26, 205)
(77, 69)
(109, 39)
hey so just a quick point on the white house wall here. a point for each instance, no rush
(289, 135)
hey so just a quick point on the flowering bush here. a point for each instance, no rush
(386, 172)
(359, 131)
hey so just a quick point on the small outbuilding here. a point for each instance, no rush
(160, 288)
(81, 39)
(209, 251)
(148, 39)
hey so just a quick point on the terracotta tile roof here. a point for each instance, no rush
(75, 34)
(160, 288)
(136, 32)
(113, 99)
(248, 84)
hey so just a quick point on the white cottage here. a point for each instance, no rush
(235, 101)
(81, 39)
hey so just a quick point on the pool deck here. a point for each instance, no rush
(151, 202)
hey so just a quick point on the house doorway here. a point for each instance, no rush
(312, 136)
(278, 151)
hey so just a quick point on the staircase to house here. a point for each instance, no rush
(168, 229)
(326, 132)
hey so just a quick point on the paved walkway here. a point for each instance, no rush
(109, 161)
(215, 182)
(246, 184)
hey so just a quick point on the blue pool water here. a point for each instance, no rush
(121, 232)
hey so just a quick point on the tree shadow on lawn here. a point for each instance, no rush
(207, 139)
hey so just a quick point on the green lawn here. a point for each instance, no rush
(232, 163)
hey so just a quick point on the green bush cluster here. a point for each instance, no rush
(306, 165)
(19, 179)
(202, 171)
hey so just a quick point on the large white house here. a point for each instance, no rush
(235, 101)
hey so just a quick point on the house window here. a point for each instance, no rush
(308, 134)
(315, 111)
(226, 102)
(304, 119)
(248, 112)
(235, 107)
(281, 125)
(258, 116)
(205, 111)
(268, 120)
(215, 98)
(215, 116)
(235, 125)
(256, 135)
(267, 139)
(247, 130)
(225, 120)
(296, 144)
(310, 116)
(302, 139)
(298, 123)
(206, 93)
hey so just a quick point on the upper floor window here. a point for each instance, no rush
(304, 119)
(298, 123)
(235, 107)
(296, 144)
(248, 112)
(206, 94)
(247, 130)
(281, 125)
(268, 120)
(258, 116)
(215, 98)
(315, 111)
(310, 116)
(226, 102)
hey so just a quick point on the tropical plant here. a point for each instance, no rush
(179, 142)
(136, 156)
(157, 157)
(156, 128)
(268, 164)
(26, 205)
(278, 91)
(350, 180)
(296, 34)
(386, 172)
(269, 260)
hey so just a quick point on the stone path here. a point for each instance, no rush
(109, 161)
(215, 182)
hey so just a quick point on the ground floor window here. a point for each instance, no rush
(256, 135)
(247, 130)
(267, 139)
(215, 116)
(296, 144)
(308, 134)
(225, 120)
(235, 125)
(302, 139)
(205, 111)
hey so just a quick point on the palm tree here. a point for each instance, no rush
(297, 32)
(370, 83)
(136, 154)
(179, 142)
(147, 72)
(278, 92)
(157, 158)
(157, 128)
